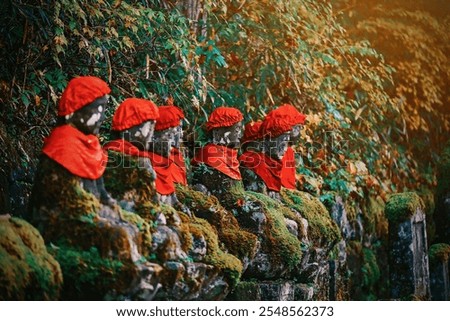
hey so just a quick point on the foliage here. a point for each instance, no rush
(413, 37)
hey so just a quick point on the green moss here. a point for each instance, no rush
(321, 225)
(374, 219)
(370, 269)
(144, 228)
(88, 275)
(27, 270)
(439, 252)
(236, 240)
(56, 188)
(246, 291)
(278, 241)
(125, 179)
(229, 264)
(402, 206)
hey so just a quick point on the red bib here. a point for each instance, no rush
(178, 166)
(267, 168)
(164, 178)
(124, 147)
(288, 170)
(222, 158)
(161, 165)
(80, 154)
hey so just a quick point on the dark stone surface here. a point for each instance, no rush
(439, 281)
(408, 258)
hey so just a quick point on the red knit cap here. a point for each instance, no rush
(295, 117)
(252, 131)
(132, 112)
(81, 91)
(223, 117)
(281, 120)
(169, 116)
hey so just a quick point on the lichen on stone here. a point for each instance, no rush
(402, 206)
(27, 270)
(88, 275)
(321, 226)
(439, 252)
(236, 240)
(228, 263)
(283, 247)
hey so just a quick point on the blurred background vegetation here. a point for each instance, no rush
(372, 76)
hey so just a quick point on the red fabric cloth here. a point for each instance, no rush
(80, 154)
(252, 131)
(169, 116)
(178, 166)
(267, 168)
(223, 117)
(133, 112)
(221, 158)
(124, 147)
(288, 171)
(162, 165)
(164, 173)
(81, 91)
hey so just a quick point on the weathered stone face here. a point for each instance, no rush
(141, 135)
(276, 147)
(178, 136)
(295, 134)
(228, 136)
(89, 118)
(164, 140)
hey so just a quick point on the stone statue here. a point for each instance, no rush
(66, 207)
(166, 155)
(271, 165)
(215, 165)
(186, 247)
(132, 128)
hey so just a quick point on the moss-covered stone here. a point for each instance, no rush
(74, 220)
(283, 247)
(402, 206)
(237, 241)
(127, 180)
(27, 270)
(245, 291)
(88, 275)
(229, 264)
(439, 252)
(321, 227)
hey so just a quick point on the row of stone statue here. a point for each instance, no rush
(154, 134)
(86, 195)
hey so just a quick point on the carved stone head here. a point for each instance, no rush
(134, 121)
(140, 135)
(164, 140)
(277, 147)
(225, 125)
(83, 104)
(168, 131)
(89, 119)
(229, 136)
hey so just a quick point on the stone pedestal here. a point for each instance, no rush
(439, 272)
(408, 255)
